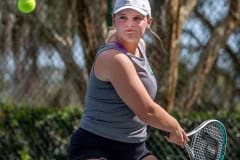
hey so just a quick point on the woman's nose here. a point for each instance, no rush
(130, 23)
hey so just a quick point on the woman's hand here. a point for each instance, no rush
(178, 136)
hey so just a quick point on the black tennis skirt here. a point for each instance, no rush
(86, 145)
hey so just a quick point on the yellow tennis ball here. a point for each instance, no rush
(26, 6)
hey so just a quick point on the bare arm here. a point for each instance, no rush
(119, 70)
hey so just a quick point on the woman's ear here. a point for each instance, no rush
(149, 21)
(113, 20)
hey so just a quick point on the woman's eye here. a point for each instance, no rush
(122, 17)
(138, 18)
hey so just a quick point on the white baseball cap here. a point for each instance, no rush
(141, 6)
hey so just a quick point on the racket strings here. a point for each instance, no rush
(207, 143)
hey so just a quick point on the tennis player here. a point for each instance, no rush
(120, 95)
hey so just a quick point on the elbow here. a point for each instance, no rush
(147, 115)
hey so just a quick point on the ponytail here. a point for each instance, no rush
(159, 39)
(110, 35)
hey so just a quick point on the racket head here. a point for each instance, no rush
(207, 141)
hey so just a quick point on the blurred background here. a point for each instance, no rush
(46, 56)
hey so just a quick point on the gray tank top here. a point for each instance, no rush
(105, 114)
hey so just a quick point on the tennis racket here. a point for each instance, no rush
(207, 141)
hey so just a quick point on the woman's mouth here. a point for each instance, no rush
(130, 30)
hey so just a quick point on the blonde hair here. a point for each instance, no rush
(110, 34)
(159, 39)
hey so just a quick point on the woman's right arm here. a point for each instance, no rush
(117, 68)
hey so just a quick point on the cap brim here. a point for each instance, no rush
(131, 7)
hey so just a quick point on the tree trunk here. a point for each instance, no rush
(219, 37)
(91, 29)
(179, 13)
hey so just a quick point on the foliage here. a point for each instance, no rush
(36, 132)
(41, 133)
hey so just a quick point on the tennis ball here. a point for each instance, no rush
(26, 6)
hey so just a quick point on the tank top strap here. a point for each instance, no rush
(112, 45)
(142, 49)
(116, 45)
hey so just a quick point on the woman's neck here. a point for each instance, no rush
(130, 47)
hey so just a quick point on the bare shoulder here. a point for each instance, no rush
(111, 57)
(110, 61)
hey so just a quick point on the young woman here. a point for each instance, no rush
(120, 95)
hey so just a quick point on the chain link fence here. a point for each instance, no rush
(45, 64)
(44, 134)
(43, 72)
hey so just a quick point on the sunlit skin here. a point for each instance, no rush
(130, 27)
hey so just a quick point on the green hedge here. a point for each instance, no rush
(36, 133)
(39, 133)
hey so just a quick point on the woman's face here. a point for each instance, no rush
(130, 25)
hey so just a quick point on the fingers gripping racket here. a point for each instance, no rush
(207, 141)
